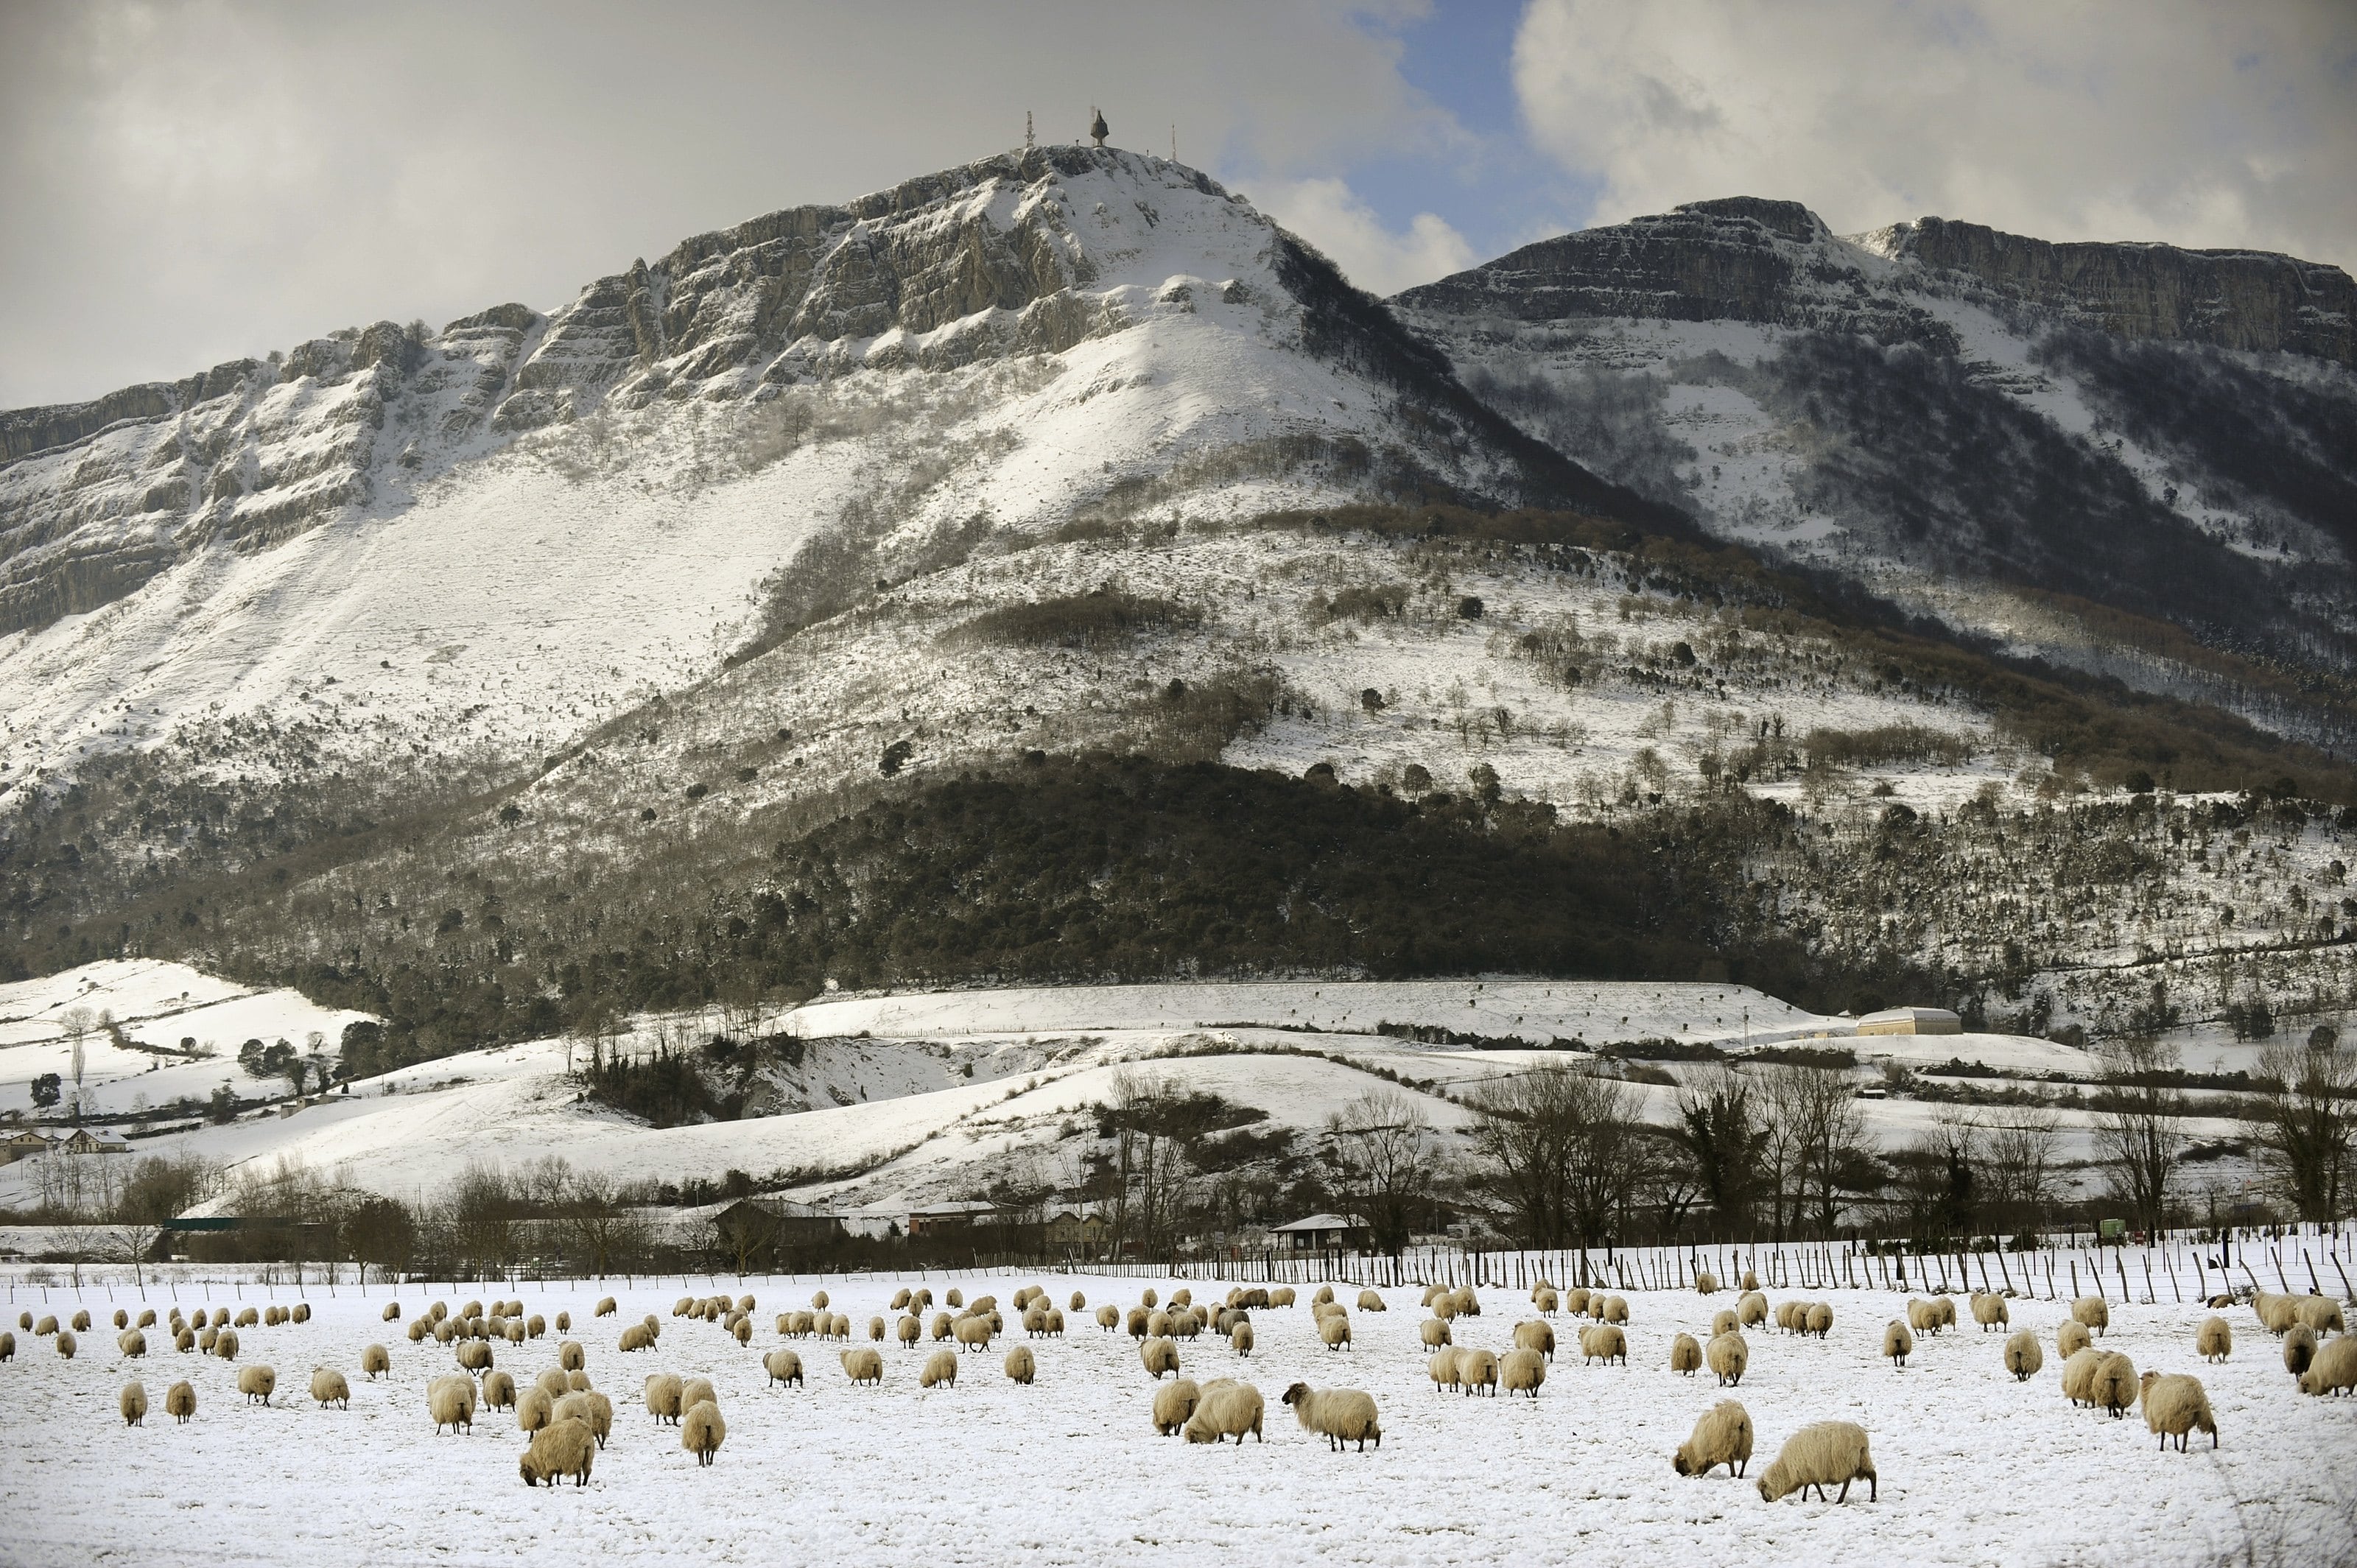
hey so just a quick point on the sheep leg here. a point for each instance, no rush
(1844, 1495)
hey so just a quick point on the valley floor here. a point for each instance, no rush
(1975, 1468)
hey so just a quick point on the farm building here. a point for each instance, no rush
(1911, 1021)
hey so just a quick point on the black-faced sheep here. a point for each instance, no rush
(2174, 1406)
(2214, 1340)
(135, 1405)
(1722, 1436)
(2023, 1357)
(662, 1391)
(941, 1367)
(701, 1431)
(180, 1401)
(1174, 1402)
(863, 1366)
(1728, 1357)
(1338, 1415)
(257, 1383)
(1021, 1367)
(1522, 1371)
(1226, 1410)
(328, 1387)
(1821, 1455)
(1897, 1344)
(1686, 1355)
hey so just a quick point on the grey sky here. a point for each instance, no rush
(181, 184)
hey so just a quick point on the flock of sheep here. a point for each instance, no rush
(565, 1421)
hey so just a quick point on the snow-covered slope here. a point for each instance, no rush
(496, 535)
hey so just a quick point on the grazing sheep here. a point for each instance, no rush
(2072, 1337)
(1790, 1315)
(1435, 1332)
(589, 1406)
(1728, 1357)
(220, 1316)
(257, 1383)
(696, 1391)
(876, 1330)
(475, 1355)
(1817, 1456)
(1173, 1403)
(1603, 1341)
(941, 1326)
(184, 1341)
(1750, 1309)
(46, 1326)
(301, 1312)
(82, 1321)
(1897, 1344)
(419, 1330)
(1522, 1371)
(1944, 1314)
(973, 1333)
(576, 1383)
(1576, 1299)
(1079, 1301)
(1614, 1310)
(863, 1366)
(2214, 1340)
(955, 1297)
(1750, 1280)
(8, 1347)
(783, 1367)
(1820, 1319)
(744, 1330)
(636, 1338)
(1226, 1410)
(1281, 1296)
(1723, 1321)
(131, 1344)
(328, 1387)
(2079, 1374)
(180, 1401)
(1372, 1301)
(1466, 1304)
(565, 1323)
(1722, 1436)
(514, 1334)
(1183, 1297)
(605, 1307)
(923, 1298)
(135, 1405)
(208, 1339)
(1035, 1320)
(2321, 1313)
(499, 1391)
(662, 1392)
(702, 1431)
(1240, 1339)
(122, 1318)
(2115, 1385)
(391, 1312)
(249, 1319)
(909, 1330)
(1158, 1325)
(25, 1321)
(1020, 1366)
(536, 1407)
(1686, 1355)
(1547, 1303)
(1159, 1355)
(2093, 1311)
(1705, 1283)
(534, 1326)
(570, 1356)
(1055, 1327)
(2022, 1355)
(1433, 1293)
(1108, 1317)
(941, 1367)
(562, 1448)
(554, 1381)
(1477, 1371)
(1338, 1415)
(1989, 1310)
(2334, 1370)
(682, 1306)
(1334, 1331)
(2175, 1406)
(1536, 1336)
(147, 1318)
(2299, 1349)
(1442, 1368)
(1921, 1317)
(1325, 1294)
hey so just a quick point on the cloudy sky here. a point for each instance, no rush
(184, 183)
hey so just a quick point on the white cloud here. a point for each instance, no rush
(1330, 216)
(2199, 123)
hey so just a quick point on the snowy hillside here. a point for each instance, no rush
(498, 534)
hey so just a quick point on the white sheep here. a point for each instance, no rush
(783, 1367)
(1240, 1339)
(589, 1406)
(941, 1367)
(450, 1400)
(636, 1338)
(1466, 1303)
(375, 1362)
(1281, 1296)
(536, 1407)
(1079, 1301)
(2093, 1311)
(499, 1391)
(1686, 1355)
(328, 1387)
(2334, 1370)
(864, 1366)
(1705, 1283)
(1433, 1293)
(1547, 1303)
(1721, 1436)
(1159, 1355)
(562, 1448)
(1174, 1402)
(134, 1405)
(1989, 1310)
(1574, 1301)
(554, 1381)
(701, 1431)
(1435, 1333)
(1522, 1371)
(131, 1344)
(2214, 1340)
(565, 1323)
(2322, 1314)
(876, 1330)
(1338, 1415)
(1897, 1344)
(8, 1347)
(1820, 1320)
(2299, 1349)
(257, 1383)
(180, 1401)
(1723, 1321)
(696, 1391)
(1108, 1317)
(1226, 1409)
(1020, 1366)
(2023, 1357)
(662, 1391)
(1614, 1310)
(1921, 1317)
(1750, 1309)
(2079, 1374)
(1372, 1301)
(66, 1344)
(1604, 1342)
(1335, 1332)
(2115, 1386)
(391, 1312)
(1443, 1369)
(1728, 1357)
(2175, 1406)
(1819, 1456)
(1477, 1371)
(1536, 1336)
(2071, 1337)
(605, 1307)
(81, 1320)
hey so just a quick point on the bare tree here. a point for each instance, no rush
(2018, 1152)
(1718, 1132)
(2307, 1120)
(1147, 1178)
(1555, 1145)
(1383, 1160)
(744, 1231)
(598, 1221)
(2139, 1131)
(1833, 1142)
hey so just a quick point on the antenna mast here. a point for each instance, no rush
(1029, 141)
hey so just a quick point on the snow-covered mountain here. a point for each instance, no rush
(2132, 459)
(495, 535)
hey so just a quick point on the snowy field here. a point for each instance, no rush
(1974, 1468)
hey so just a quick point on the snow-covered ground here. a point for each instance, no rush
(1973, 1467)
